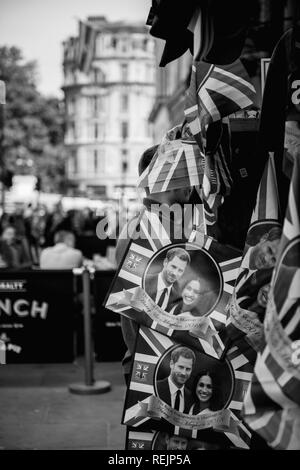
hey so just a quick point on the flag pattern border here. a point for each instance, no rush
(157, 346)
(271, 406)
(228, 261)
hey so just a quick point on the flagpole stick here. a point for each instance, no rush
(90, 386)
(273, 166)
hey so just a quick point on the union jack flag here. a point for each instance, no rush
(157, 232)
(272, 403)
(216, 92)
(178, 163)
(151, 347)
(249, 300)
(86, 46)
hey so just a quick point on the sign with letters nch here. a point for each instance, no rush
(36, 316)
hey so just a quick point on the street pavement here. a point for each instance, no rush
(39, 412)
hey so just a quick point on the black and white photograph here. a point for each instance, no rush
(162, 440)
(148, 149)
(184, 280)
(180, 289)
(186, 392)
(201, 394)
(259, 259)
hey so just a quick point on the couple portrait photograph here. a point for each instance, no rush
(183, 279)
(193, 383)
(253, 281)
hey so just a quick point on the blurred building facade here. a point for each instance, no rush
(171, 83)
(108, 108)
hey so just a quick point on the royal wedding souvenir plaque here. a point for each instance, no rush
(163, 440)
(211, 391)
(179, 287)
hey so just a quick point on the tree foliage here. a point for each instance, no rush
(34, 124)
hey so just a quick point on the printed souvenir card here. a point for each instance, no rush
(163, 440)
(179, 287)
(185, 392)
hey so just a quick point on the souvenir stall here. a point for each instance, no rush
(217, 354)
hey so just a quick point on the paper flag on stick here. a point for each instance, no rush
(250, 294)
(272, 404)
(216, 92)
(177, 163)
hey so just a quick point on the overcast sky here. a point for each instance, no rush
(38, 28)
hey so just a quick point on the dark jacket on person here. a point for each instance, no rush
(15, 255)
(163, 391)
(151, 289)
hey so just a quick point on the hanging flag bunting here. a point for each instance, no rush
(177, 163)
(250, 294)
(216, 92)
(272, 404)
(176, 280)
(212, 416)
(86, 46)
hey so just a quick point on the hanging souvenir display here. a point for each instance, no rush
(177, 283)
(177, 163)
(162, 440)
(250, 295)
(186, 392)
(272, 403)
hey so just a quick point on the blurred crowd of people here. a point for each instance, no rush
(33, 237)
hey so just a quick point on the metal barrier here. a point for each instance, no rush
(90, 386)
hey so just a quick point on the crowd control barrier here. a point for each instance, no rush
(109, 343)
(90, 386)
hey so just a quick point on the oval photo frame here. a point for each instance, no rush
(197, 284)
(222, 372)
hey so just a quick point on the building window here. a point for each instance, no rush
(97, 130)
(74, 163)
(71, 105)
(97, 76)
(124, 102)
(100, 164)
(149, 73)
(96, 161)
(99, 42)
(124, 161)
(124, 129)
(95, 105)
(114, 42)
(124, 72)
(72, 130)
